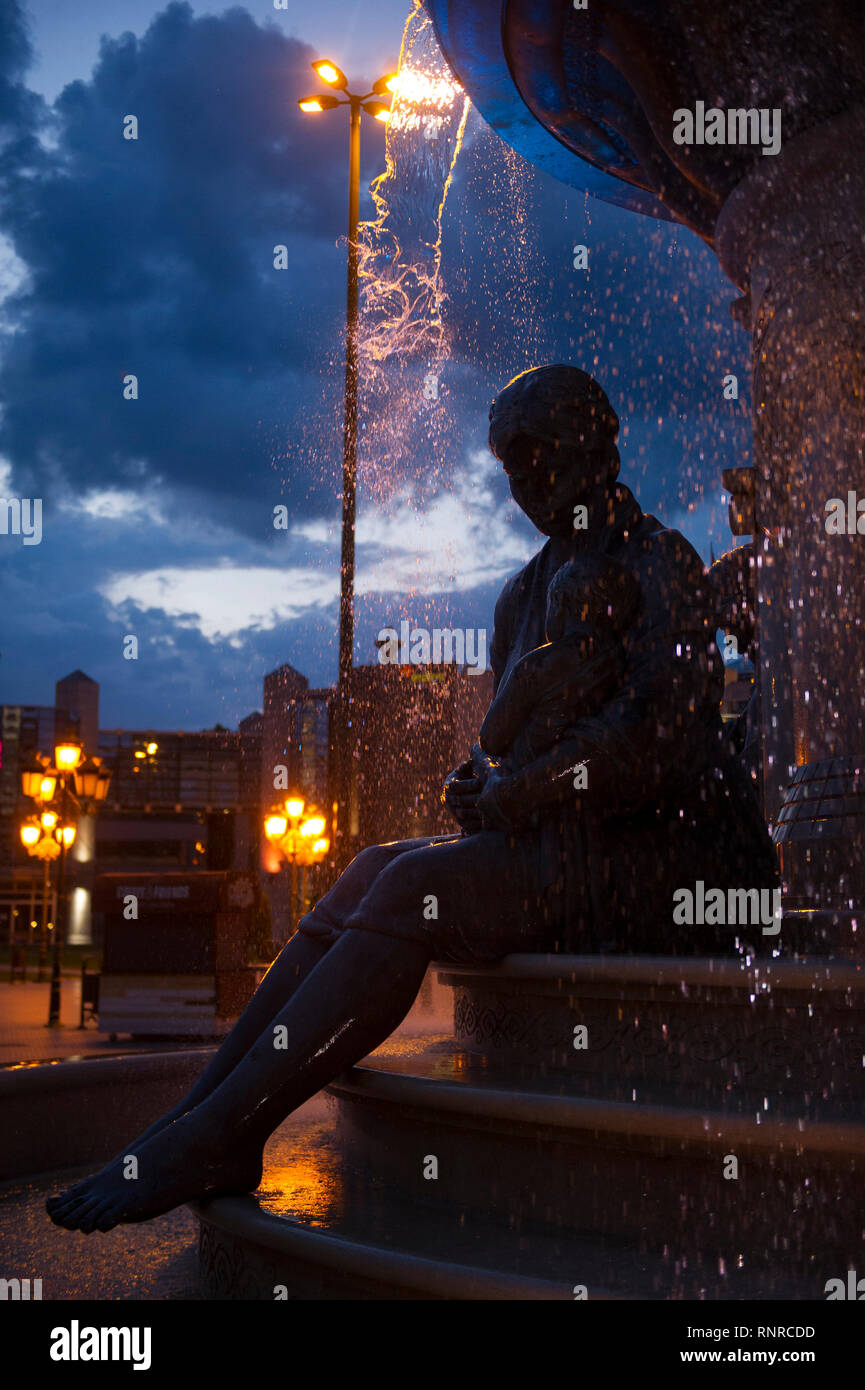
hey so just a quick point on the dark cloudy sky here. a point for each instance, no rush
(155, 257)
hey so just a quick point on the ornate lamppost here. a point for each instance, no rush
(300, 839)
(42, 836)
(83, 784)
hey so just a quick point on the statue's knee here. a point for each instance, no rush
(369, 859)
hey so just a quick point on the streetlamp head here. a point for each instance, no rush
(48, 820)
(33, 775)
(275, 827)
(87, 778)
(30, 834)
(294, 807)
(330, 73)
(67, 755)
(318, 103)
(386, 84)
(103, 782)
(377, 109)
(312, 827)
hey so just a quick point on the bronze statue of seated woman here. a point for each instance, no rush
(543, 861)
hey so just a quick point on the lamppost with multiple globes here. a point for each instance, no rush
(335, 77)
(42, 836)
(297, 832)
(83, 784)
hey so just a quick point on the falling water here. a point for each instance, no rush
(402, 338)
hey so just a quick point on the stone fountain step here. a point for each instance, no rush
(716, 1032)
(504, 1163)
(315, 1231)
(627, 1171)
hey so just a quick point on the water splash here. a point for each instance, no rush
(402, 339)
(400, 251)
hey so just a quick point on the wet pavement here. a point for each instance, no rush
(155, 1260)
(158, 1259)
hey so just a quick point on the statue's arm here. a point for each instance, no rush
(500, 646)
(464, 784)
(659, 728)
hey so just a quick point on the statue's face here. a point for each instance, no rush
(547, 481)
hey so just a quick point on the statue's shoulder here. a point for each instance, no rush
(673, 579)
(524, 579)
(669, 547)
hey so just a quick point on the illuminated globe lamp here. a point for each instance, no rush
(38, 780)
(299, 839)
(67, 755)
(275, 826)
(31, 834)
(312, 827)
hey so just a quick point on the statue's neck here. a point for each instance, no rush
(605, 506)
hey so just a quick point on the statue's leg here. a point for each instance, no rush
(354, 999)
(319, 929)
(298, 957)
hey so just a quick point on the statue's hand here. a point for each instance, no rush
(460, 794)
(492, 815)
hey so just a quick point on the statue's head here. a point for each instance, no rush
(555, 432)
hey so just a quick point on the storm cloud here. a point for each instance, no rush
(154, 257)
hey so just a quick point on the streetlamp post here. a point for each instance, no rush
(39, 838)
(61, 923)
(333, 75)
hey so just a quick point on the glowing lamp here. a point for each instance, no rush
(275, 827)
(386, 84)
(377, 109)
(32, 776)
(48, 820)
(65, 835)
(330, 73)
(294, 807)
(313, 826)
(321, 846)
(317, 103)
(68, 755)
(30, 835)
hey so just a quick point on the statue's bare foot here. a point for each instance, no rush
(86, 1184)
(176, 1165)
